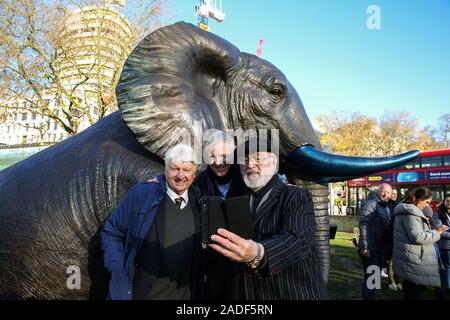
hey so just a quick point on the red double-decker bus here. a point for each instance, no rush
(431, 169)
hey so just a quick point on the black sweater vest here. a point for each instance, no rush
(164, 262)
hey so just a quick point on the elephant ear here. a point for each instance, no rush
(169, 85)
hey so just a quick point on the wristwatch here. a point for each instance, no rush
(257, 260)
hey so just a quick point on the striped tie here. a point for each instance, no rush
(178, 201)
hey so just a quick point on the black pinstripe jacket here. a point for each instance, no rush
(285, 225)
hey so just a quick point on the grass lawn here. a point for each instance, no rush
(345, 282)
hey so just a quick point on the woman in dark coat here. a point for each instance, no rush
(443, 217)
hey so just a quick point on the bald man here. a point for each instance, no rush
(374, 233)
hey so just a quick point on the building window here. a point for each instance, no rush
(76, 113)
(34, 116)
(55, 126)
(24, 116)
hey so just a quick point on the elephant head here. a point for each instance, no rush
(181, 77)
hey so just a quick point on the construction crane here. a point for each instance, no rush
(208, 9)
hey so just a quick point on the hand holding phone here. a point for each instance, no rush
(442, 228)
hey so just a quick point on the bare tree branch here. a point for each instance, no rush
(72, 50)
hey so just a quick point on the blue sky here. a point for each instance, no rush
(336, 63)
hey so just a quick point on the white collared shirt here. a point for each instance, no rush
(172, 195)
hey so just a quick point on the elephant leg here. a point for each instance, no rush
(322, 236)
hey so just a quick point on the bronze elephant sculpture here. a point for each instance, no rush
(177, 80)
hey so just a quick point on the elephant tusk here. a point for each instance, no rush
(323, 167)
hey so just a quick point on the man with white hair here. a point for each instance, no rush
(151, 240)
(281, 261)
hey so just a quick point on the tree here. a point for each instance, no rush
(347, 133)
(3, 115)
(351, 133)
(65, 59)
(441, 132)
(397, 133)
(426, 141)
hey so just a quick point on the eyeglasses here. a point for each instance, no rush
(257, 159)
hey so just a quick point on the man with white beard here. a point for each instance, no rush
(280, 262)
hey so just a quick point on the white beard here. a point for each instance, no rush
(258, 183)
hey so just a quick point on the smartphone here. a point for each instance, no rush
(232, 214)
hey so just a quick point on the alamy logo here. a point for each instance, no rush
(374, 280)
(74, 280)
(374, 19)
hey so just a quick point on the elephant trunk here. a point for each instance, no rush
(322, 167)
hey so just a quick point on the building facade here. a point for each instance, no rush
(94, 43)
(20, 126)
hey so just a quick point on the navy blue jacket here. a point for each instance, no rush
(374, 225)
(442, 218)
(124, 232)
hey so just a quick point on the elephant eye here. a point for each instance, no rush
(277, 92)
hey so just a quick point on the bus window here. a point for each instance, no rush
(403, 189)
(356, 198)
(446, 159)
(401, 193)
(412, 165)
(437, 191)
(429, 162)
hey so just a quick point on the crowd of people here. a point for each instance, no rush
(408, 239)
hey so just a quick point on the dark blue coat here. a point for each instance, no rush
(374, 225)
(124, 232)
(444, 241)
